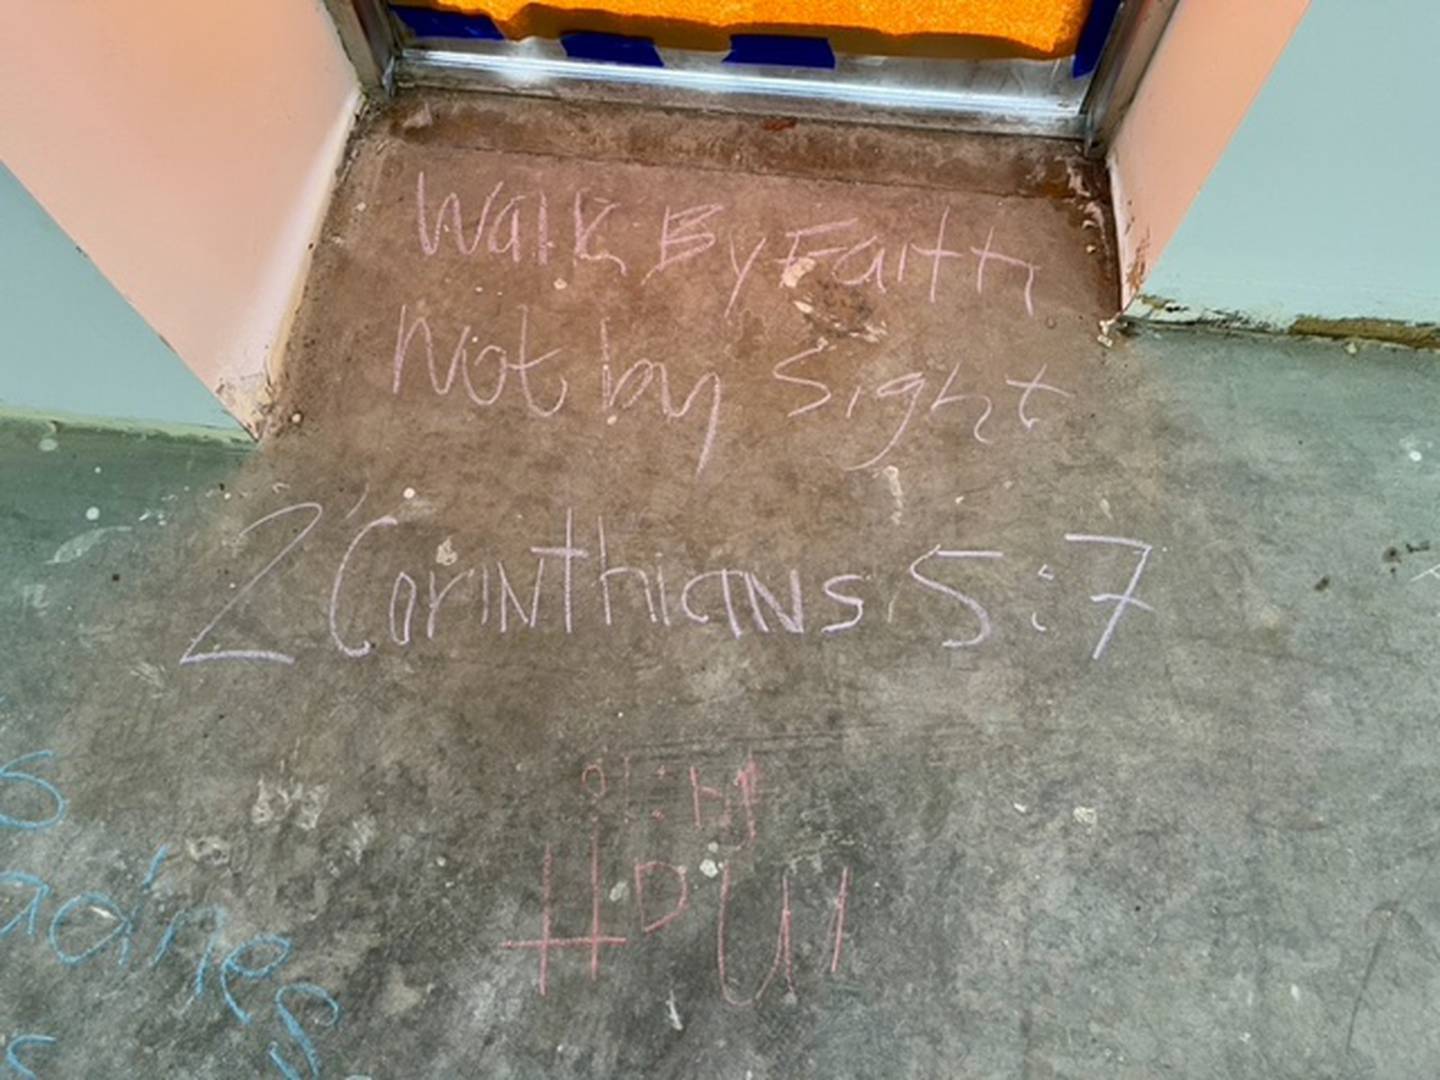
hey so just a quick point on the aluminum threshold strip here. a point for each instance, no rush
(832, 96)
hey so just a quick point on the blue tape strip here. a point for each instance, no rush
(611, 48)
(429, 23)
(1093, 36)
(781, 49)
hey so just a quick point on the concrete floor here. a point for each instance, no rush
(1101, 742)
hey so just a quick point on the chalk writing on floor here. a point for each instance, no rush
(92, 925)
(651, 245)
(400, 610)
(507, 367)
(663, 897)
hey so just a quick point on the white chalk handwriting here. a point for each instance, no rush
(595, 586)
(510, 226)
(814, 385)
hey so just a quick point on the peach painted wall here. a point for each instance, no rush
(189, 149)
(1213, 60)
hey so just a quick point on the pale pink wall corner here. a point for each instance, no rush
(1213, 60)
(190, 150)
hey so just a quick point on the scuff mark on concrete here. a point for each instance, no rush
(78, 546)
(362, 834)
(210, 851)
(148, 673)
(274, 801)
(796, 270)
(33, 597)
(892, 481)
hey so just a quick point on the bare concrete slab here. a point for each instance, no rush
(716, 603)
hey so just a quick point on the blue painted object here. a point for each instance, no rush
(231, 965)
(1093, 36)
(97, 900)
(255, 960)
(12, 1058)
(611, 48)
(219, 916)
(32, 910)
(429, 23)
(781, 49)
(298, 1033)
(9, 772)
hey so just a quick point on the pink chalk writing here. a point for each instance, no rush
(546, 942)
(837, 926)
(585, 232)
(988, 254)
(664, 895)
(784, 953)
(1122, 601)
(936, 254)
(653, 393)
(746, 784)
(468, 366)
(805, 372)
(190, 656)
(513, 226)
(1030, 387)
(741, 272)
(638, 377)
(681, 236)
(682, 900)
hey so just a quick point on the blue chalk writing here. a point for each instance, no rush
(124, 927)
(286, 1069)
(292, 1025)
(245, 963)
(28, 881)
(219, 915)
(231, 965)
(156, 862)
(12, 1058)
(7, 772)
(74, 904)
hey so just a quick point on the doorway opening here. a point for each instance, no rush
(1052, 68)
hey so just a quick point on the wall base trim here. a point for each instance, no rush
(1148, 309)
(54, 421)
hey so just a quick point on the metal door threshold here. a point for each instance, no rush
(1005, 96)
(1024, 97)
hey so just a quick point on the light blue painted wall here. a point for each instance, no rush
(71, 345)
(1327, 200)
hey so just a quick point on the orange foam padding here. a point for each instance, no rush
(977, 28)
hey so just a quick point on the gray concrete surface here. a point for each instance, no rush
(1103, 745)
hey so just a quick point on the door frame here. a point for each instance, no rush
(951, 94)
